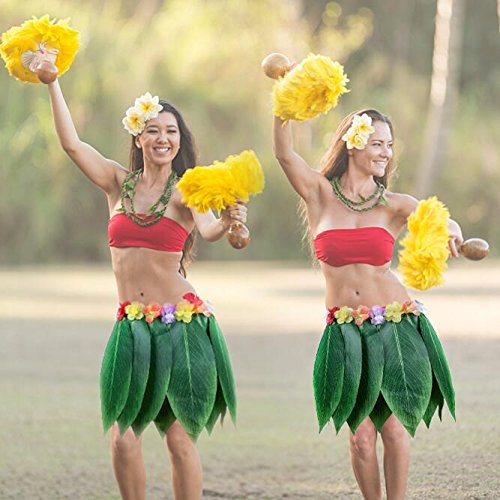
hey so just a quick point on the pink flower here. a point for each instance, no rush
(410, 307)
(330, 317)
(361, 314)
(120, 314)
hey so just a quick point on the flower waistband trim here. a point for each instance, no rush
(168, 313)
(377, 315)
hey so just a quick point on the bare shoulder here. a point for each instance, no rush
(401, 204)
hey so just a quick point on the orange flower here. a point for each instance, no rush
(151, 312)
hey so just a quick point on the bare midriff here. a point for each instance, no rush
(362, 284)
(148, 276)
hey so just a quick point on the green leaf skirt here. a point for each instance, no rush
(166, 372)
(379, 370)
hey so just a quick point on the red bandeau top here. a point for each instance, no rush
(362, 245)
(166, 235)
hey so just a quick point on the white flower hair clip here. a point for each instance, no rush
(145, 108)
(359, 131)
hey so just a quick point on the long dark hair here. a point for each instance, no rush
(186, 158)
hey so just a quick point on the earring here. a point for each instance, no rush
(138, 146)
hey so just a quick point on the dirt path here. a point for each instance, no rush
(50, 438)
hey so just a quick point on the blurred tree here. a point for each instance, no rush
(444, 83)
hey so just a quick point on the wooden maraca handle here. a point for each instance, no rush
(276, 65)
(47, 72)
(474, 249)
(238, 235)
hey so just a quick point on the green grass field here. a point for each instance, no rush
(54, 324)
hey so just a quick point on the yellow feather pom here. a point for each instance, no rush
(21, 44)
(311, 88)
(219, 185)
(422, 260)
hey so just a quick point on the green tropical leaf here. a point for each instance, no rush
(328, 375)
(140, 372)
(116, 371)
(223, 364)
(438, 361)
(159, 376)
(380, 413)
(352, 374)
(193, 382)
(407, 381)
(219, 410)
(165, 418)
(372, 370)
(435, 401)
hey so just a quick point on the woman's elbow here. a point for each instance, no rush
(69, 147)
(283, 159)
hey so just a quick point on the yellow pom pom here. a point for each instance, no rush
(219, 185)
(311, 88)
(24, 46)
(422, 260)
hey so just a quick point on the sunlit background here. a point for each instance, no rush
(436, 72)
(432, 65)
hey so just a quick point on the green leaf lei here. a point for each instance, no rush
(156, 211)
(378, 195)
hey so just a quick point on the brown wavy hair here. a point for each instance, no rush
(186, 158)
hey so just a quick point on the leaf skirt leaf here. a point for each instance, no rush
(225, 375)
(163, 373)
(159, 376)
(116, 372)
(193, 384)
(375, 371)
(140, 372)
(328, 375)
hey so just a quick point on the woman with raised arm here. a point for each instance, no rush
(166, 359)
(379, 365)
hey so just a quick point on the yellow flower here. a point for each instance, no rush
(354, 140)
(148, 106)
(133, 121)
(363, 124)
(135, 310)
(393, 312)
(184, 311)
(359, 132)
(344, 315)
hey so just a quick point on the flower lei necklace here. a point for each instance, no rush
(354, 205)
(155, 211)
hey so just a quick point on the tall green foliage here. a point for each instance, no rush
(205, 58)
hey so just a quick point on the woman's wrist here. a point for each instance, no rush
(224, 223)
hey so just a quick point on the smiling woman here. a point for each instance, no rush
(166, 359)
(379, 365)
